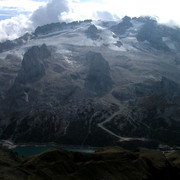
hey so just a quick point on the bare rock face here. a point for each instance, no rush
(57, 27)
(8, 45)
(19, 96)
(33, 64)
(122, 26)
(92, 32)
(153, 33)
(98, 79)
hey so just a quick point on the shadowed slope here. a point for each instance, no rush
(107, 163)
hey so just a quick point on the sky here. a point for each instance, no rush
(20, 16)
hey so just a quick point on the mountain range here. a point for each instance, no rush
(92, 83)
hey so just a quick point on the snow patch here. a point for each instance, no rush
(169, 43)
(68, 60)
(26, 97)
(63, 51)
(136, 25)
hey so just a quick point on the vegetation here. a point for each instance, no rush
(106, 163)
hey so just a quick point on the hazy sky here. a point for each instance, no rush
(19, 16)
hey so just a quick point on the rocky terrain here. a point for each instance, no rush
(105, 163)
(92, 83)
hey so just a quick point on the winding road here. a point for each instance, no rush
(121, 138)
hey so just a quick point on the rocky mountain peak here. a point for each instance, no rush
(55, 27)
(126, 19)
(153, 33)
(33, 64)
(121, 28)
(8, 45)
(98, 79)
(92, 32)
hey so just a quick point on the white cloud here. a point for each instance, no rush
(50, 13)
(165, 10)
(14, 27)
(69, 10)
(88, 9)
(18, 23)
(105, 15)
(21, 5)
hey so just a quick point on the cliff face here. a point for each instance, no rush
(98, 79)
(121, 28)
(33, 64)
(92, 32)
(32, 70)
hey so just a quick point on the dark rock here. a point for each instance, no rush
(145, 19)
(122, 26)
(119, 44)
(49, 28)
(33, 64)
(12, 57)
(20, 95)
(98, 79)
(165, 87)
(169, 87)
(8, 45)
(153, 33)
(57, 68)
(55, 27)
(177, 60)
(92, 32)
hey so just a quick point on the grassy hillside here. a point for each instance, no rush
(106, 163)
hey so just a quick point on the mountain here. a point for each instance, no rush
(107, 163)
(121, 28)
(92, 83)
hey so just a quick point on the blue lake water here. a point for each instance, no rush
(27, 151)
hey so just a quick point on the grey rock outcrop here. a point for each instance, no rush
(121, 28)
(55, 27)
(165, 88)
(92, 32)
(152, 33)
(20, 95)
(98, 79)
(8, 45)
(33, 64)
